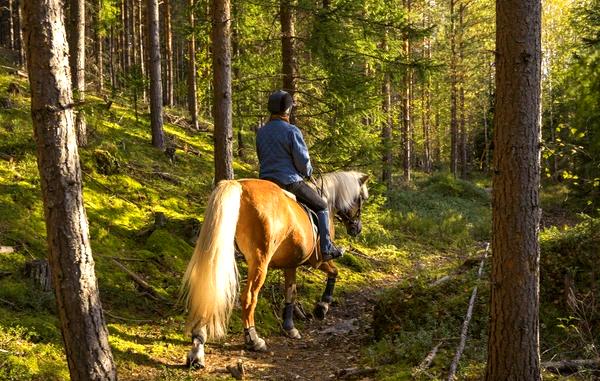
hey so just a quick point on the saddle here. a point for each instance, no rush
(312, 216)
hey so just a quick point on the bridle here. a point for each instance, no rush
(345, 217)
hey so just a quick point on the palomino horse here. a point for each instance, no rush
(271, 230)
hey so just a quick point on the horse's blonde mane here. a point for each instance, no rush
(342, 188)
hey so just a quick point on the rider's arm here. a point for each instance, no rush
(300, 153)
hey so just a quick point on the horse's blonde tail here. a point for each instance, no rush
(210, 284)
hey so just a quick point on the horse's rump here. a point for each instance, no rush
(272, 226)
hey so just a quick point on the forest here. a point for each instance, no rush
(474, 124)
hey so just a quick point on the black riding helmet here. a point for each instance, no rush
(279, 102)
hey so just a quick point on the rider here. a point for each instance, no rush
(284, 160)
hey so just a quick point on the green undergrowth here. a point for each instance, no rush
(422, 312)
(127, 183)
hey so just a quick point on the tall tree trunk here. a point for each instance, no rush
(135, 21)
(142, 41)
(386, 130)
(463, 136)
(168, 94)
(426, 116)
(123, 39)
(156, 106)
(84, 331)
(99, 48)
(453, 93)
(191, 74)
(77, 62)
(406, 106)
(486, 143)
(22, 55)
(288, 50)
(11, 25)
(437, 156)
(426, 104)
(111, 58)
(513, 345)
(222, 112)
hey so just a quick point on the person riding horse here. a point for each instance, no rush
(283, 158)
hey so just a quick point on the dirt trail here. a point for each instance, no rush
(328, 350)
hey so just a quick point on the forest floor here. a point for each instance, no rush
(330, 349)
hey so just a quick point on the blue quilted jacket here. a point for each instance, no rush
(282, 152)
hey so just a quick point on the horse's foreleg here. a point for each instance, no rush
(290, 300)
(195, 358)
(322, 306)
(256, 279)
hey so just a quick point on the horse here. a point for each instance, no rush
(270, 229)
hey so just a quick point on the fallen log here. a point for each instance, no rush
(570, 366)
(465, 327)
(426, 363)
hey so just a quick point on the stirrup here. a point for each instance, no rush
(333, 254)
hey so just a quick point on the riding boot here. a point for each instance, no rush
(328, 250)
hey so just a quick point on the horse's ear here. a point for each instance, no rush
(364, 178)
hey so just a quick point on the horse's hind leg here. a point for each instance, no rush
(290, 300)
(256, 278)
(322, 306)
(195, 357)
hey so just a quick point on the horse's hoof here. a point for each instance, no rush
(257, 346)
(193, 362)
(321, 310)
(292, 333)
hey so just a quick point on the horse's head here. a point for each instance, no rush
(350, 216)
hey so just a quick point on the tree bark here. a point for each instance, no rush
(156, 106)
(77, 61)
(99, 48)
(22, 58)
(513, 345)
(11, 25)
(453, 93)
(83, 329)
(111, 62)
(288, 50)
(168, 94)
(222, 107)
(191, 79)
(463, 138)
(406, 106)
(386, 130)
(142, 41)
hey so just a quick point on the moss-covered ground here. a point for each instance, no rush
(413, 236)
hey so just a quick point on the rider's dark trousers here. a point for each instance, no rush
(305, 194)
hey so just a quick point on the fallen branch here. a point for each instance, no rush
(141, 282)
(570, 366)
(359, 253)
(8, 302)
(355, 372)
(107, 313)
(168, 177)
(13, 70)
(465, 327)
(126, 259)
(426, 363)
